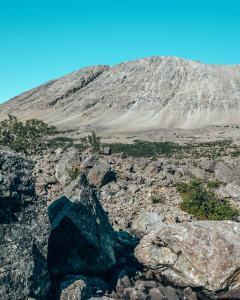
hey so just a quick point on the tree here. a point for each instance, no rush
(94, 141)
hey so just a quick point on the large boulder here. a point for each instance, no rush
(24, 230)
(81, 236)
(202, 254)
(67, 161)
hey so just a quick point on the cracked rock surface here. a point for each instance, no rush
(197, 254)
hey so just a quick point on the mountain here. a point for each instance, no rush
(149, 93)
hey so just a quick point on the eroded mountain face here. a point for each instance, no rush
(154, 92)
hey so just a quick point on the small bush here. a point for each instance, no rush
(203, 203)
(24, 137)
(213, 184)
(94, 141)
(74, 172)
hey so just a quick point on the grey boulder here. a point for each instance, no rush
(202, 254)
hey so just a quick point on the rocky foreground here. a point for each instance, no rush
(78, 225)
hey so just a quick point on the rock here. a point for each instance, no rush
(170, 293)
(156, 294)
(133, 188)
(137, 295)
(122, 283)
(74, 288)
(153, 168)
(145, 223)
(24, 231)
(208, 165)
(197, 254)
(192, 296)
(171, 169)
(230, 190)
(227, 173)
(100, 174)
(105, 150)
(232, 295)
(81, 236)
(68, 160)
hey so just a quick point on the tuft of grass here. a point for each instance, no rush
(203, 203)
(213, 184)
(235, 153)
(158, 198)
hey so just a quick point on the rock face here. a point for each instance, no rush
(198, 254)
(81, 236)
(154, 92)
(24, 230)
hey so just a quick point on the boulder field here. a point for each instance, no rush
(62, 239)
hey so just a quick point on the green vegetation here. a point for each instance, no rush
(203, 203)
(235, 153)
(169, 149)
(213, 184)
(94, 141)
(24, 137)
(74, 172)
(145, 148)
(60, 142)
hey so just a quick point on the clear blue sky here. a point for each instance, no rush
(44, 39)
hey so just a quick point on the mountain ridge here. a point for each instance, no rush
(149, 93)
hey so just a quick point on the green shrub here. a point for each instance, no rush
(203, 203)
(24, 137)
(60, 142)
(74, 172)
(94, 141)
(213, 184)
(145, 148)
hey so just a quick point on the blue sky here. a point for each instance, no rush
(41, 40)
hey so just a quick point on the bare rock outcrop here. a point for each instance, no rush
(203, 254)
(24, 231)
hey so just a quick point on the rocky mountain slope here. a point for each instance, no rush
(149, 93)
